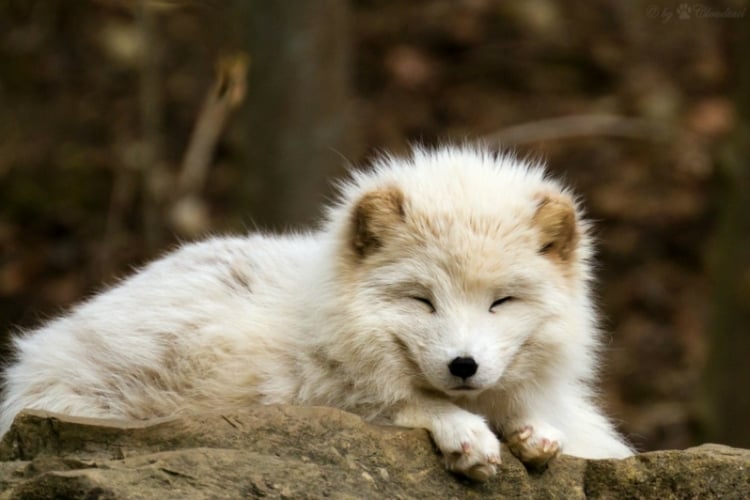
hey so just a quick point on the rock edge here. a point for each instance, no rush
(313, 452)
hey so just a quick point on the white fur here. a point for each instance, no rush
(301, 319)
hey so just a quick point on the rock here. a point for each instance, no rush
(313, 452)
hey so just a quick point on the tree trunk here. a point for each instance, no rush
(728, 369)
(294, 126)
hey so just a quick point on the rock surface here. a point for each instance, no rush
(294, 452)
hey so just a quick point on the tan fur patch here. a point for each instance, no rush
(556, 219)
(376, 213)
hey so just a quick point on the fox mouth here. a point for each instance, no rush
(464, 388)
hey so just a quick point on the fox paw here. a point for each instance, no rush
(470, 448)
(535, 445)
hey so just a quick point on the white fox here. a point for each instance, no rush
(449, 290)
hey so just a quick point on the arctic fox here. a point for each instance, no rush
(449, 290)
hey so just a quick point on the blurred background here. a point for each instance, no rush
(127, 126)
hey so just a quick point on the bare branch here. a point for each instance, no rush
(227, 93)
(582, 125)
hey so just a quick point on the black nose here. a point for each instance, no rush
(463, 367)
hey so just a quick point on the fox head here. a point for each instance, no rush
(471, 267)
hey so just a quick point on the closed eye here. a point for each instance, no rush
(500, 302)
(426, 302)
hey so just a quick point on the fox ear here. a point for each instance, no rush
(374, 215)
(557, 222)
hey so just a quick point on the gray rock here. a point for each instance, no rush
(302, 452)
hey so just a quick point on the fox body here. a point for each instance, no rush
(449, 290)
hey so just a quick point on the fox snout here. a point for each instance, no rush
(463, 367)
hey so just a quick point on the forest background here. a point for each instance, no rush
(127, 126)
